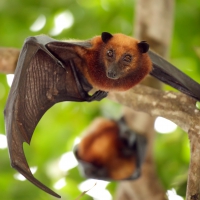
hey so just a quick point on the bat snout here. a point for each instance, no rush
(112, 74)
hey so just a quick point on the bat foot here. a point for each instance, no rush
(98, 96)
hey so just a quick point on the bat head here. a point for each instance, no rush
(117, 62)
(122, 54)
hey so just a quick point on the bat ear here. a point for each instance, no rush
(105, 36)
(143, 46)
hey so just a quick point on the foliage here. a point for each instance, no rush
(64, 122)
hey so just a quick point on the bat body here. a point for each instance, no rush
(50, 71)
(110, 151)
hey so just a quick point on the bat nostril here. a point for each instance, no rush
(112, 75)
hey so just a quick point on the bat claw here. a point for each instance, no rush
(60, 63)
(19, 162)
(98, 96)
(29, 176)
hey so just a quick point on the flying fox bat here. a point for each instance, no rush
(110, 150)
(50, 71)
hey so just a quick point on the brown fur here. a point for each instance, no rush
(102, 147)
(96, 63)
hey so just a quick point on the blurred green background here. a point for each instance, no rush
(56, 132)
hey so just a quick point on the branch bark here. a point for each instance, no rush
(193, 183)
(174, 106)
(154, 21)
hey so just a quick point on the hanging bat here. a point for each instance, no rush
(50, 71)
(110, 150)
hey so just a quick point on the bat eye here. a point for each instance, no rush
(127, 58)
(110, 53)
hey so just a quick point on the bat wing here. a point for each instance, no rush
(41, 80)
(167, 73)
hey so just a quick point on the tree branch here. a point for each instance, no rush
(193, 183)
(176, 107)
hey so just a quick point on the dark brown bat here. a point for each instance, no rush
(110, 150)
(50, 71)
